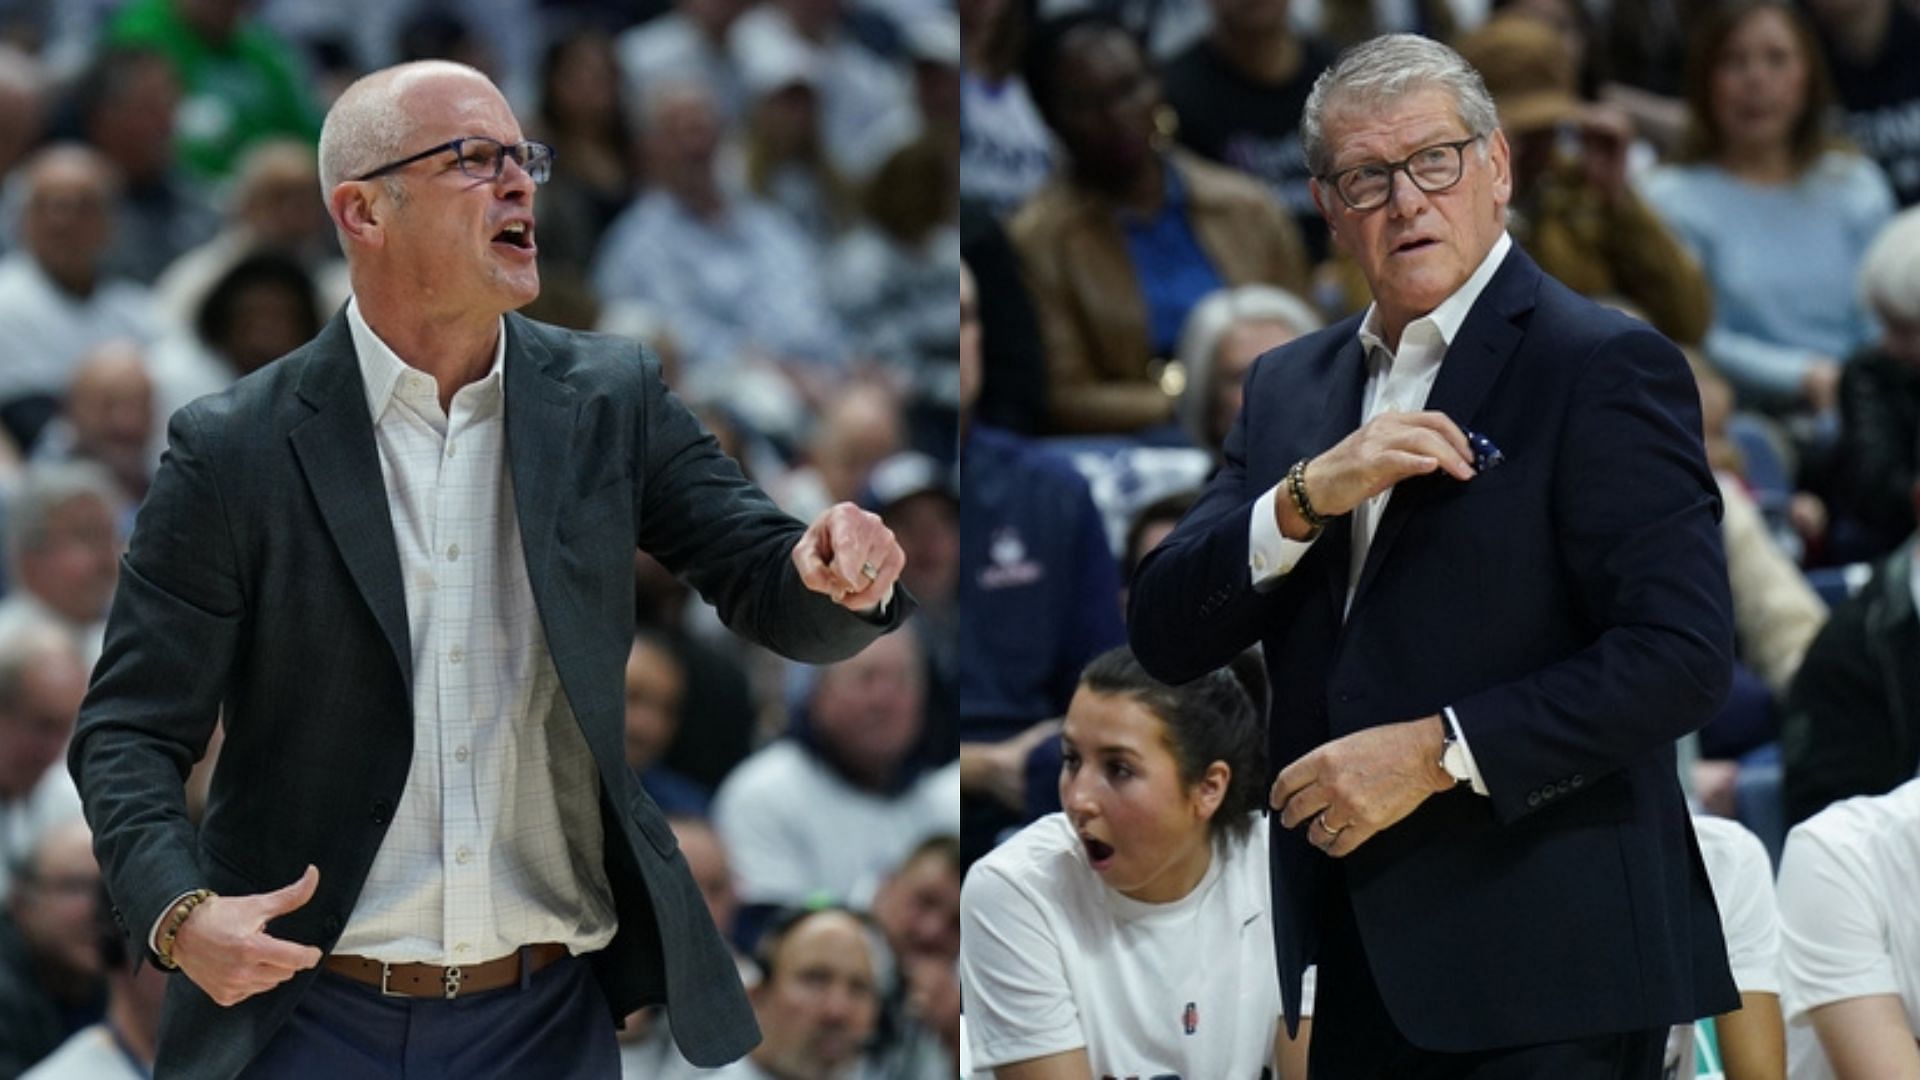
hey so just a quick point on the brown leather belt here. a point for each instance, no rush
(433, 981)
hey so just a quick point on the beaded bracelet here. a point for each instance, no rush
(1297, 490)
(177, 918)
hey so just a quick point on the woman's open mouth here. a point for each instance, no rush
(1099, 852)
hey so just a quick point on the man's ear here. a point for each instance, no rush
(359, 212)
(1323, 202)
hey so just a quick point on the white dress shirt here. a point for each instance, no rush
(497, 840)
(1396, 382)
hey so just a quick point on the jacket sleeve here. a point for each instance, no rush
(170, 644)
(1637, 528)
(705, 522)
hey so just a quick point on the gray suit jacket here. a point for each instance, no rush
(263, 583)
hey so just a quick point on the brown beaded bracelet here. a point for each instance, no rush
(176, 918)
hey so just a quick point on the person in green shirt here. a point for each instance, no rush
(241, 82)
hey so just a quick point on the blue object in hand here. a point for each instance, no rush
(1485, 454)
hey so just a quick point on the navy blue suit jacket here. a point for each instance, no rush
(1571, 604)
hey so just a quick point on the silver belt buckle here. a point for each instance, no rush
(386, 973)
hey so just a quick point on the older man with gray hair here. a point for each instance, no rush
(63, 550)
(1476, 531)
(397, 565)
(42, 681)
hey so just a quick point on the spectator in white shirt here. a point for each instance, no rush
(1850, 939)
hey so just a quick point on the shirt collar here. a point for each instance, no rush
(1446, 319)
(381, 368)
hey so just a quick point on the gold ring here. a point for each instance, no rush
(1331, 832)
(871, 571)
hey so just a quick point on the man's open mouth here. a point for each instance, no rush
(1098, 851)
(1413, 245)
(519, 234)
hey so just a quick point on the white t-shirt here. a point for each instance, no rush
(795, 830)
(88, 1054)
(1051, 960)
(1742, 879)
(1849, 914)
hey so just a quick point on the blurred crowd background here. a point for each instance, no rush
(763, 191)
(1137, 227)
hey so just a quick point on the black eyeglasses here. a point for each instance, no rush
(1432, 169)
(481, 158)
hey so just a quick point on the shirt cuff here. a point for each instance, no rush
(153, 935)
(1466, 751)
(1271, 556)
(878, 612)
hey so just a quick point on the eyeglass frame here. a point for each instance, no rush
(500, 163)
(1404, 165)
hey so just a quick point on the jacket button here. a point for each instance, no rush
(1533, 798)
(382, 811)
(1577, 780)
(1563, 787)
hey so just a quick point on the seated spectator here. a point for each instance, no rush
(1879, 455)
(736, 277)
(1239, 92)
(1750, 1042)
(1869, 44)
(1070, 929)
(1006, 151)
(270, 208)
(582, 115)
(888, 280)
(1852, 721)
(1850, 939)
(108, 418)
(50, 972)
(1041, 594)
(1225, 333)
(827, 810)
(1131, 232)
(1777, 215)
(121, 1046)
(854, 432)
(817, 1000)
(41, 684)
(1573, 208)
(23, 108)
(718, 675)
(63, 545)
(127, 105)
(260, 309)
(858, 88)
(915, 497)
(656, 687)
(687, 42)
(242, 82)
(917, 908)
(782, 158)
(56, 303)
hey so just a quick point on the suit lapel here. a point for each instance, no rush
(337, 455)
(540, 424)
(1488, 338)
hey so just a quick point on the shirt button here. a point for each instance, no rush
(463, 856)
(1259, 563)
(456, 654)
(460, 948)
(449, 450)
(460, 754)
(425, 582)
(453, 553)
